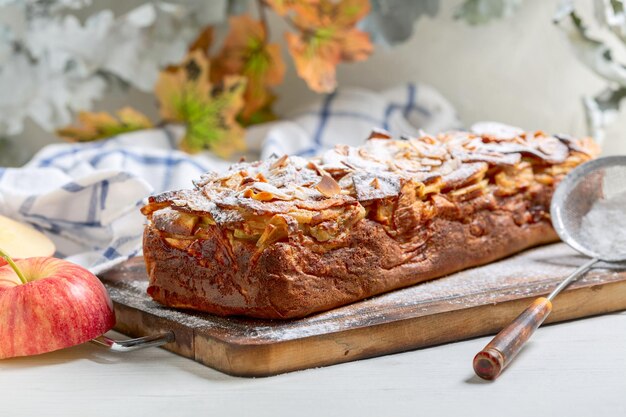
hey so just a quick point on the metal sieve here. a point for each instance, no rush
(588, 212)
(586, 186)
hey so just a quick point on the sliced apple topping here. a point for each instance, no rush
(277, 229)
(328, 186)
(280, 162)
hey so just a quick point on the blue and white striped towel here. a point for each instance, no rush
(86, 197)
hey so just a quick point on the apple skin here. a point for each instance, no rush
(62, 305)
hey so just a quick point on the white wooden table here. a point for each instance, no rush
(569, 369)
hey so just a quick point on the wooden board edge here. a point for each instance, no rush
(270, 359)
(267, 359)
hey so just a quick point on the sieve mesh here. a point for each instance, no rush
(589, 209)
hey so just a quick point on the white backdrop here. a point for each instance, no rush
(519, 70)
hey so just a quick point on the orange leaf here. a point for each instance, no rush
(246, 52)
(355, 46)
(186, 95)
(282, 7)
(190, 78)
(102, 125)
(341, 13)
(316, 65)
(327, 37)
(203, 41)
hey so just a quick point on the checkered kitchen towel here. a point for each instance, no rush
(86, 197)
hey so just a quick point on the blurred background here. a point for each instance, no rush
(516, 67)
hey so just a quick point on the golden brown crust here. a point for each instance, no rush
(291, 280)
(287, 237)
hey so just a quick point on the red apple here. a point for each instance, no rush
(48, 304)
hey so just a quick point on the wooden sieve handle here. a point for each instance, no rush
(491, 361)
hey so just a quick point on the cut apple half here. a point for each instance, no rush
(20, 240)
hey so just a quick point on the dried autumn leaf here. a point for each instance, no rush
(203, 41)
(315, 64)
(100, 125)
(246, 52)
(327, 37)
(186, 94)
(261, 115)
(282, 7)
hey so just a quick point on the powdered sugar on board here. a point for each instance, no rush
(529, 274)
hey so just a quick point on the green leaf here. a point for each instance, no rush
(211, 124)
(209, 111)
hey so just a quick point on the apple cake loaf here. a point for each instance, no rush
(288, 237)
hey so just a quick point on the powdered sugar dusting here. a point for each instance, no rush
(376, 170)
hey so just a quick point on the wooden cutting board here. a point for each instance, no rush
(467, 304)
